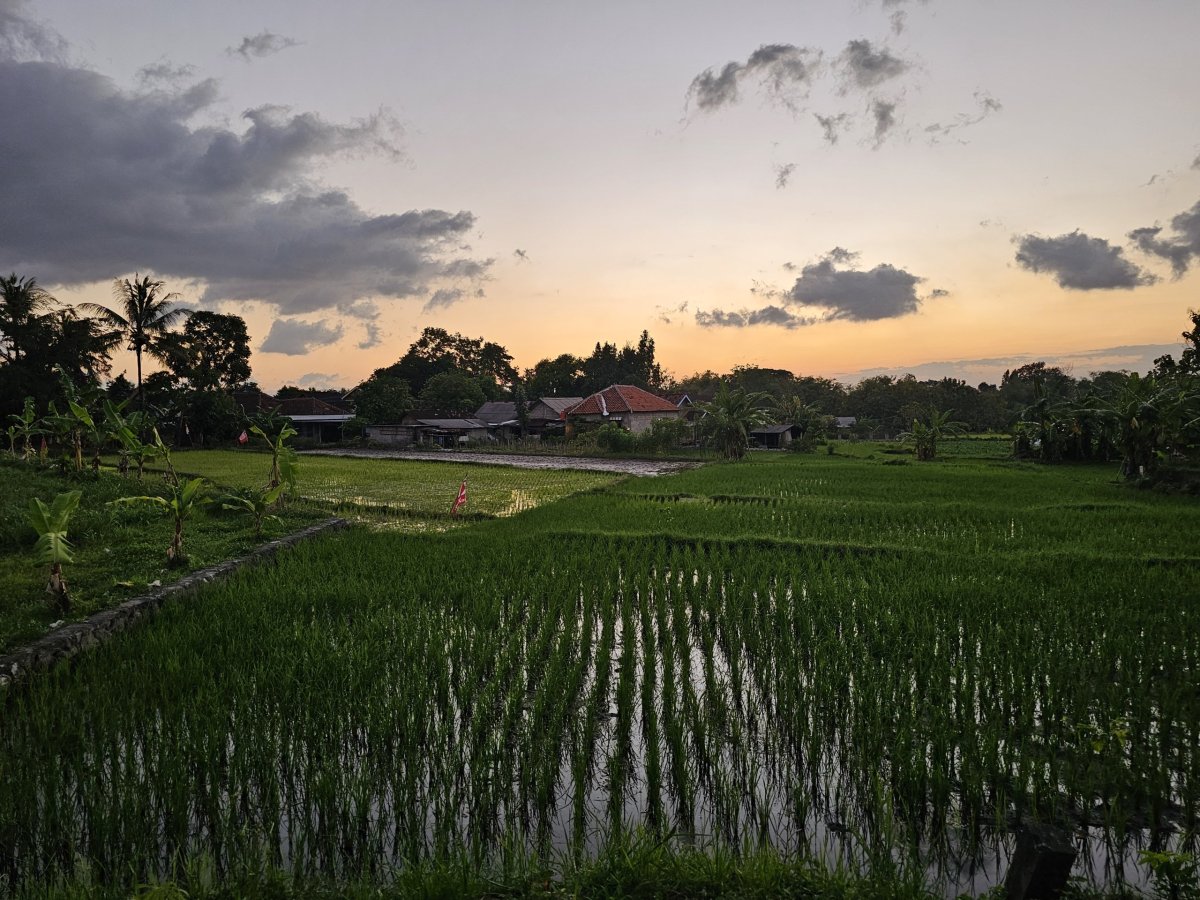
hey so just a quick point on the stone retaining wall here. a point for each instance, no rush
(71, 640)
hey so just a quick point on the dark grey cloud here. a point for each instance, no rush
(899, 20)
(784, 71)
(782, 174)
(123, 181)
(373, 336)
(1080, 262)
(938, 293)
(883, 292)
(521, 255)
(865, 66)
(21, 38)
(295, 338)
(768, 315)
(1179, 248)
(832, 288)
(165, 72)
(1196, 162)
(265, 43)
(884, 113)
(833, 126)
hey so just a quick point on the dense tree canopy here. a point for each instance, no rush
(438, 351)
(212, 351)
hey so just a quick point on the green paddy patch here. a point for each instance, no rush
(871, 673)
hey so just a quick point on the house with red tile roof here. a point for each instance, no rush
(630, 407)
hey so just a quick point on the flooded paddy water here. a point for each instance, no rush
(384, 698)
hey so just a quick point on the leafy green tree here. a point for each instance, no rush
(630, 364)
(382, 399)
(145, 314)
(451, 394)
(211, 352)
(561, 376)
(729, 418)
(438, 351)
(52, 547)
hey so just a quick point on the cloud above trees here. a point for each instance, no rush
(126, 179)
(865, 79)
(265, 43)
(1179, 246)
(829, 289)
(784, 71)
(294, 337)
(1080, 262)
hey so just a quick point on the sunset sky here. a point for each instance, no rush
(835, 187)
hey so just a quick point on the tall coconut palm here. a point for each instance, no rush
(22, 301)
(145, 314)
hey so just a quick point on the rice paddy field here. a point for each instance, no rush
(833, 660)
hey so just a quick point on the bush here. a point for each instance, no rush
(663, 436)
(612, 438)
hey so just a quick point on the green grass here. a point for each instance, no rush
(794, 658)
(388, 489)
(120, 551)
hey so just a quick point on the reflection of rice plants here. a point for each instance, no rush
(758, 669)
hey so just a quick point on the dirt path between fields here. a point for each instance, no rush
(520, 461)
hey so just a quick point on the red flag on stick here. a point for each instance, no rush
(460, 499)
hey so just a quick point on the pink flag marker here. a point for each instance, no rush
(460, 499)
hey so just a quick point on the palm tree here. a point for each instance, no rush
(730, 416)
(926, 432)
(21, 302)
(144, 315)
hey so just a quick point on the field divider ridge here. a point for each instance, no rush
(69, 641)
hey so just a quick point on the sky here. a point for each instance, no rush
(834, 187)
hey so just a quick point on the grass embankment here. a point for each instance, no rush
(119, 551)
(827, 658)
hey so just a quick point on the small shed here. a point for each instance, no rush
(775, 437)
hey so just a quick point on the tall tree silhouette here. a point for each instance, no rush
(145, 314)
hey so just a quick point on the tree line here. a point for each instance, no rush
(205, 359)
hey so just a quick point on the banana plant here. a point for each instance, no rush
(256, 504)
(183, 500)
(25, 427)
(275, 430)
(52, 547)
(125, 431)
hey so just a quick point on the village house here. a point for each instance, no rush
(314, 419)
(630, 407)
